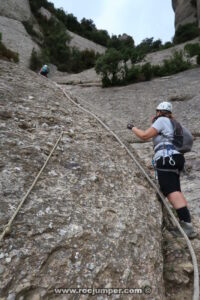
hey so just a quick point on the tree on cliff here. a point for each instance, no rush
(108, 66)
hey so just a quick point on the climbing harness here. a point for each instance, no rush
(174, 220)
(164, 146)
(168, 148)
(171, 161)
(176, 171)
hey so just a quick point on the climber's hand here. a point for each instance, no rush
(130, 126)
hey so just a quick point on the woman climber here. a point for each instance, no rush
(168, 162)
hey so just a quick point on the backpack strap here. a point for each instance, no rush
(178, 133)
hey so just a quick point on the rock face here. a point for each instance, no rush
(84, 44)
(14, 34)
(186, 12)
(91, 220)
(17, 10)
(91, 216)
(137, 102)
(88, 77)
(157, 58)
(15, 37)
(45, 13)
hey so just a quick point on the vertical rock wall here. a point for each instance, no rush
(17, 10)
(14, 34)
(91, 221)
(15, 38)
(186, 11)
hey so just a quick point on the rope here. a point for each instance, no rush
(95, 131)
(7, 228)
(191, 250)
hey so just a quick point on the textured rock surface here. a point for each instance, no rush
(158, 57)
(186, 12)
(91, 220)
(83, 44)
(45, 13)
(137, 102)
(15, 37)
(18, 10)
(88, 77)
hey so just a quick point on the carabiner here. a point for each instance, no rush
(172, 161)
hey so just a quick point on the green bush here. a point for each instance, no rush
(167, 45)
(133, 74)
(108, 65)
(6, 53)
(157, 70)
(88, 57)
(106, 82)
(192, 49)
(146, 70)
(35, 61)
(29, 28)
(174, 65)
(36, 4)
(138, 73)
(136, 56)
(186, 32)
(148, 45)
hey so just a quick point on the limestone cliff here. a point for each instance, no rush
(186, 11)
(14, 34)
(82, 43)
(15, 37)
(91, 221)
(17, 10)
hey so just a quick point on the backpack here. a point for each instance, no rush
(182, 139)
(44, 69)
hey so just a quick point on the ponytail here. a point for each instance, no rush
(166, 113)
(163, 113)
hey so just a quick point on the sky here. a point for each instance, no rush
(139, 18)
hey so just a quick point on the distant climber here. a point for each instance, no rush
(44, 70)
(168, 161)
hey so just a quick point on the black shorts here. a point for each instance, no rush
(44, 73)
(169, 181)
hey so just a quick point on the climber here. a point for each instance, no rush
(168, 162)
(44, 70)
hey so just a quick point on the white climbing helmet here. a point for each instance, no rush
(164, 106)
